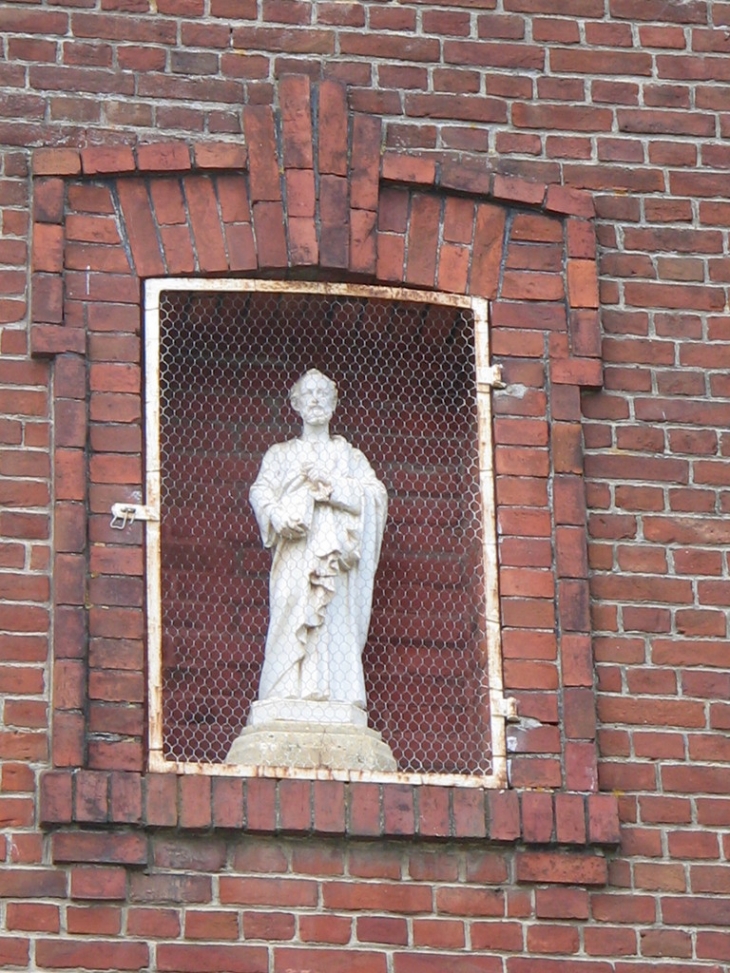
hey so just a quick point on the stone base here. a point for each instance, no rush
(312, 746)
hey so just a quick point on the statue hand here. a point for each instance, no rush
(286, 526)
(321, 491)
(319, 481)
(293, 531)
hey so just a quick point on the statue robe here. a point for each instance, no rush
(321, 585)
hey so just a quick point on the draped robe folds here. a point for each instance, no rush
(321, 584)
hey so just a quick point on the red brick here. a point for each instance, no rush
(398, 810)
(570, 823)
(603, 823)
(220, 155)
(228, 802)
(195, 802)
(518, 190)
(107, 159)
(161, 800)
(440, 933)
(433, 812)
(268, 218)
(380, 896)
(91, 798)
(577, 660)
(76, 954)
(69, 684)
(178, 250)
(206, 228)
(362, 241)
(140, 227)
(561, 903)
(295, 812)
(329, 807)
(241, 248)
(365, 163)
(303, 247)
(391, 256)
(258, 122)
(537, 817)
(56, 162)
(453, 270)
(48, 200)
(364, 809)
(458, 220)
(336, 961)
(400, 168)
(99, 883)
(423, 240)
(169, 887)
(163, 157)
(432, 963)
(269, 925)
(47, 248)
(68, 739)
(582, 283)
(94, 920)
(334, 215)
(99, 848)
(312, 859)
(430, 865)
(279, 892)
(32, 917)
(332, 146)
(581, 772)
(211, 925)
(300, 192)
(294, 99)
(487, 250)
(167, 200)
(126, 798)
(504, 816)
(261, 804)
(56, 798)
(562, 868)
(260, 855)
(382, 929)
(47, 299)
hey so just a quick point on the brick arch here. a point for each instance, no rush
(312, 194)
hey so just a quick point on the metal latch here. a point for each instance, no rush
(125, 514)
(490, 376)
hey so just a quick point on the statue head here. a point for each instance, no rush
(314, 397)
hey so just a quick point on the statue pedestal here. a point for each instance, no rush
(310, 735)
(307, 711)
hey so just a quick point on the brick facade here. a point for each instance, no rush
(568, 165)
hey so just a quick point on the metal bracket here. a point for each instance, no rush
(490, 377)
(125, 514)
(507, 708)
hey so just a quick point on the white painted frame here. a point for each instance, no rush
(500, 708)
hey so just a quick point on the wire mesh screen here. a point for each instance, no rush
(407, 400)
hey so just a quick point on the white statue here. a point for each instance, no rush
(321, 508)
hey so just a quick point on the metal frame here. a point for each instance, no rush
(501, 708)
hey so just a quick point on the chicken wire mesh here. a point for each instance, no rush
(407, 400)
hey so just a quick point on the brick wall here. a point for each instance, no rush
(535, 107)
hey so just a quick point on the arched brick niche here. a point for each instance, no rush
(311, 195)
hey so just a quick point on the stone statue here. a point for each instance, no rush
(322, 510)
